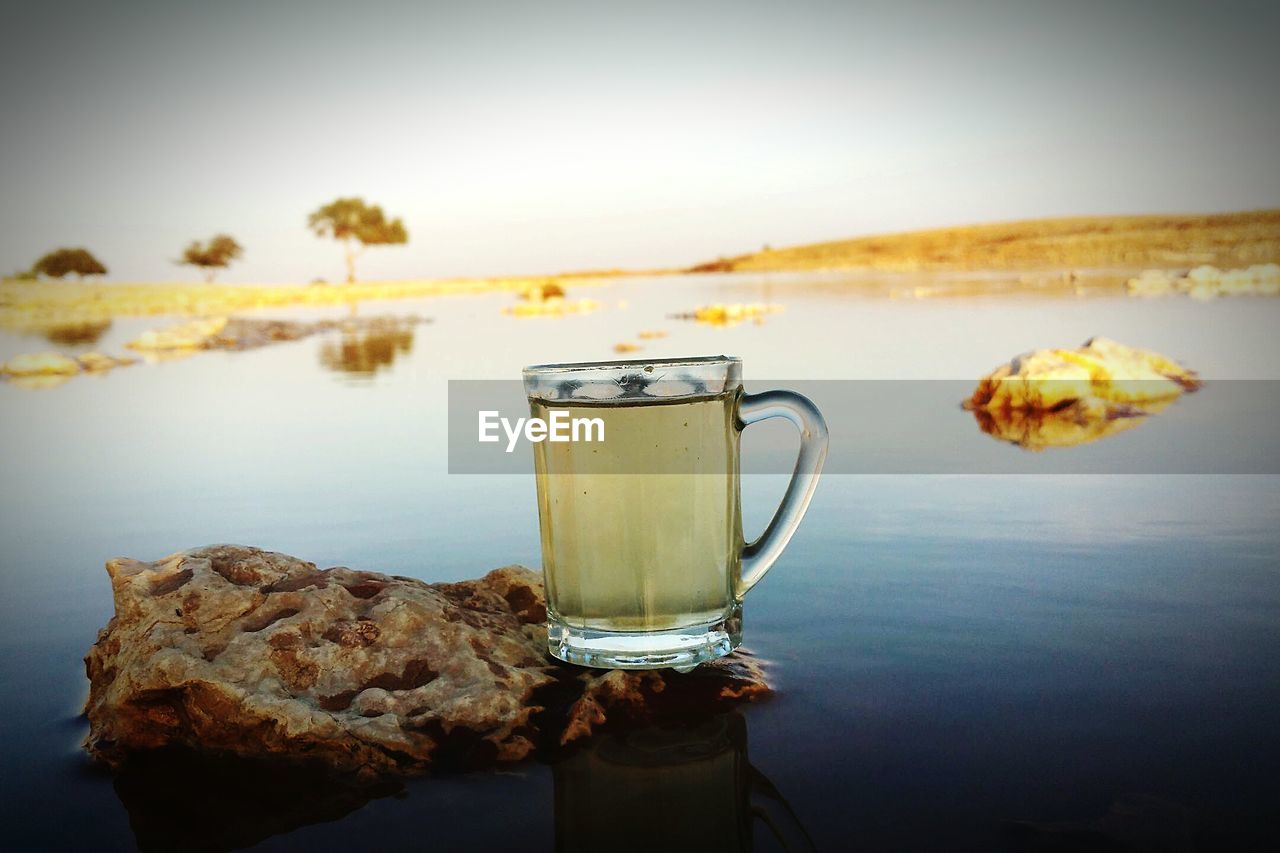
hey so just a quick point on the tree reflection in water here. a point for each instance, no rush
(75, 334)
(372, 346)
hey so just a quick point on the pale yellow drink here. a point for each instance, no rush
(626, 550)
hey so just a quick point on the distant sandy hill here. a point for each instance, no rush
(1116, 242)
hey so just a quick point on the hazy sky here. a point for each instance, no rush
(534, 137)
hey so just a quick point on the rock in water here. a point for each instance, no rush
(96, 362)
(1101, 370)
(1062, 398)
(39, 370)
(235, 650)
(40, 364)
(193, 334)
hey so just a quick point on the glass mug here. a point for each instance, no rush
(642, 548)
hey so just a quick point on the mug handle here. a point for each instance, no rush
(769, 807)
(759, 555)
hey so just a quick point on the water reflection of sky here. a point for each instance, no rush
(950, 651)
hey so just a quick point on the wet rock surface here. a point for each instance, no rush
(230, 650)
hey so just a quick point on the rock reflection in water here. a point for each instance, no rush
(75, 334)
(365, 350)
(687, 787)
(1070, 426)
(180, 800)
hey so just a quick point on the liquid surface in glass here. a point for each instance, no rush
(624, 550)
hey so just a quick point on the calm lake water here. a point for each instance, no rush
(984, 662)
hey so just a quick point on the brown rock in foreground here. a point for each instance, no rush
(235, 650)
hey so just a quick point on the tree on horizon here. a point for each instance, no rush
(216, 254)
(77, 261)
(357, 225)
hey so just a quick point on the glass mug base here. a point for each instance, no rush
(680, 649)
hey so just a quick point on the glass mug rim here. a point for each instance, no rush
(535, 370)
(632, 382)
